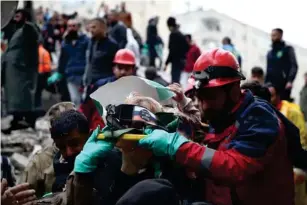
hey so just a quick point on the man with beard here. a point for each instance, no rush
(20, 66)
(72, 61)
(70, 130)
(281, 64)
(102, 50)
(246, 156)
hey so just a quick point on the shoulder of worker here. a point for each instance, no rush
(43, 158)
(259, 117)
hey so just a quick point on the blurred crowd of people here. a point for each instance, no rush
(221, 142)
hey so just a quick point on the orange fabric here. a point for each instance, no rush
(44, 65)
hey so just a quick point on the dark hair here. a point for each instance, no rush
(68, 121)
(189, 36)
(227, 39)
(279, 30)
(151, 73)
(100, 20)
(171, 22)
(257, 71)
(258, 90)
(25, 14)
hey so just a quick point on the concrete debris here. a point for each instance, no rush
(21, 145)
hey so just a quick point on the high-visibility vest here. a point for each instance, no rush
(44, 65)
(293, 112)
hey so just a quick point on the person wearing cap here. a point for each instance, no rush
(178, 48)
(247, 157)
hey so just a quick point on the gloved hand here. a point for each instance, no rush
(162, 143)
(93, 150)
(55, 77)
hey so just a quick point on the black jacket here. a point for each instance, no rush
(118, 32)
(281, 65)
(178, 47)
(100, 59)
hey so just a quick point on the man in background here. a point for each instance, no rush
(102, 50)
(72, 61)
(281, 65)
(20, 67)
(228, 46)
(117, 29)
(178, 48)
(257, 74)
(192, 55)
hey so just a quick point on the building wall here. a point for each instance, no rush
(252, 43)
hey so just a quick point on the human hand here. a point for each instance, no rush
(55, 77)
(288, 85)
(93, 150)
(162, 143)
(17, 195)
(180, 98)
(177, 89)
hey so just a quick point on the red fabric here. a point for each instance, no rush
(191, 57)
(229, 168)
(89, 110)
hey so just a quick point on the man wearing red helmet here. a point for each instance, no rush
(246, 159)
(124, 61)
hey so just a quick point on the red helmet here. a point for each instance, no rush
(124, 56)
(216, 67)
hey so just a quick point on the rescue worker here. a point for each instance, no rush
(246, 158)
(69, 132)
(124, 61)
(39, 172)
(44, 70)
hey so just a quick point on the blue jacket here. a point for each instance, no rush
(281, 65)
(72, 60)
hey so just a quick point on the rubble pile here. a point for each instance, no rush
(21, 145)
